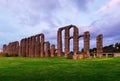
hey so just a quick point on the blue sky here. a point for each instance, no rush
(23, 18)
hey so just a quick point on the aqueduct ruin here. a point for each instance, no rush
(75, 38)
(36, 46)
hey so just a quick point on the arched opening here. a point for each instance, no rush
(81, 44)
(63, 41)
(71, 46)
(71, 32)
(71, 43)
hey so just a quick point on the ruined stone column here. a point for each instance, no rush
(47, 49)
(27, 47)
(16, 47)
(67, 39)
(42, 45)
(59, 42)
(21, 47)
(67, 42)
(37, 45)
(24, 47)
(33, 46)
(12, 48)
(9, 48)
(4, 48)
(86, 43)
(99, 41)
(52, 51)
(75, 40)
(30, 46)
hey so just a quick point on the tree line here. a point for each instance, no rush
(110, 48)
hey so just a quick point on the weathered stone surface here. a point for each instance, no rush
(35, 46)
(86, 44)
(47, 49)
(59, 41)
(23, 47)
(116, 54)
(52, 51)
(67, 39)
(12, 48)
(75, 56)
(99, 45)
(4, 48)
(27, 47)
(42, 45)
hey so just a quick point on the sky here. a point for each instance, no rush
(24, 18)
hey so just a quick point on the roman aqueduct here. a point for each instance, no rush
(37, 46)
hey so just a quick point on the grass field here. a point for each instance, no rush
(59, 69)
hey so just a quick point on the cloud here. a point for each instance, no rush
(109, 5)
(23, 18)
(109, 26)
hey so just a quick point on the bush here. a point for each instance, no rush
(8, 55)
(4, 55)
(12, 55)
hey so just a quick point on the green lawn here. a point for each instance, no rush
(59, 69)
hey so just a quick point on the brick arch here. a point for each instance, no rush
(59, 41)
(67, 39)
(39, 45)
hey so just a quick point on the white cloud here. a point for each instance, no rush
(23, 18)
(109, 5)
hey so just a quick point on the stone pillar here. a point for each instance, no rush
(27, 47)
(4, 48)
(52, 51)
(23, 47)
(16, 48)
(36, 50)
(9, 48)
(12, 48)
(67, 42)
(59, 42)
(75, 40)
(86, 43)
(99, 42)
(37, 45)
(42, 45)
(33, 46)
(67, 39)
(47, 50)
